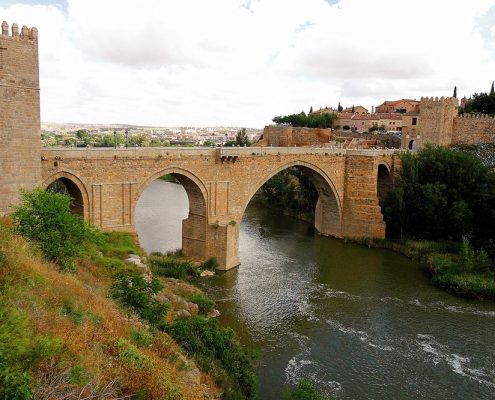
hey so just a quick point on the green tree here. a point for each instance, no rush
(443, 194)
(311, 110)
(46, 218)
(339, 108)
(455, 92)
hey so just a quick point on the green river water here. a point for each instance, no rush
(361, 323)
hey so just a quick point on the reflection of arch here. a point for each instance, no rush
(384, 181)
(76, 189)
(194, 227)
(328, 212)
(412, 145)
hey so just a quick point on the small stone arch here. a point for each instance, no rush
(76, 189)
(328, 211)
(384, 181)
(412, 145)
(194, 227)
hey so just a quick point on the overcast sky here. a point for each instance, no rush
(241, 62)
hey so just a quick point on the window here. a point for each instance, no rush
(415, 121)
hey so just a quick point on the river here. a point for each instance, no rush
(361, 323)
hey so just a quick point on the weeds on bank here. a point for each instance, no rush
(454, 266)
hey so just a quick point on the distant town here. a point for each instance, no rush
(120, 135)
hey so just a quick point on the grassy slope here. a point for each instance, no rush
(62, 335)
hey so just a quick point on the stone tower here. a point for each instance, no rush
(436, 122)
(20, 139)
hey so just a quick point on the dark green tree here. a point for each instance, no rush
(455, 92)
(353, 109)
(339, 108)
(492, 90)
(311, 110)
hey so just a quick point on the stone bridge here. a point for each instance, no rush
(106, 185)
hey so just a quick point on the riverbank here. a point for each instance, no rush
(461, 272)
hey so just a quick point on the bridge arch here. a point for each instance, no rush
(76, 188)
(384, 181)
(195, 225)
(328, 210)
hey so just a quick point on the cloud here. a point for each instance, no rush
(240, 62)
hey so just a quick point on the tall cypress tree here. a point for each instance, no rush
(492, 90)
(455, 92)
(339, 108)
(311, 110)
(353, 109)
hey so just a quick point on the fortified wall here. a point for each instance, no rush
(288, 136)
(438, 122)
(20, 137)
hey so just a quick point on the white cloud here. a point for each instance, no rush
(211, 62)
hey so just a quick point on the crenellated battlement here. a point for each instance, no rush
(439, 101)
(24, 33)
(478, 116)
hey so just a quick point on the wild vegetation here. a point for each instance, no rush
(290, 191)
(99, 329)
(447, 196)
(308, 121)
(241, 139)
(481, 103)
(304, 390)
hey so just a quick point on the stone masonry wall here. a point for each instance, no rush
(20, 149)
(283, 136)
(470, 129)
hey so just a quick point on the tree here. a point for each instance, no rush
(443, 194)
(492, 90)
(311, 110)
(339, 108)
(353, 109)
(455, 92)
(310, 121)
(46, 218)
(241, 138)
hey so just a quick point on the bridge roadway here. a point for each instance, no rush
(106, 185)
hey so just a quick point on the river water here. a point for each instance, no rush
(361, 323)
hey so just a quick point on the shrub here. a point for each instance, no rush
(46, 218)
(218, 351)
(172, 267)
(130, 355)
(205, 304)
(141, 338)
(211, 264)
(133, 292)
(303, 391)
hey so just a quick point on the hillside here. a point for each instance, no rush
(63, 337)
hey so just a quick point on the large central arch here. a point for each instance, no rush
(194, 227)
(328, 211)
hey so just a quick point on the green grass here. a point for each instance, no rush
(172, 266)
(205, 304)
(119, 244)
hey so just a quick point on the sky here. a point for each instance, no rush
(242, 62)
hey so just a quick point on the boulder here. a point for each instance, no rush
(182, 314)
(193, 308)
(214, 314)
(207, 273)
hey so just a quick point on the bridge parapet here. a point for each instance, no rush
(223, 153)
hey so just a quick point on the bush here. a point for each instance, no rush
(133, 292)
(205, 304)
(211, 264)
(217, 351)
(46, 218)
(303, 391)
(172, 267)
